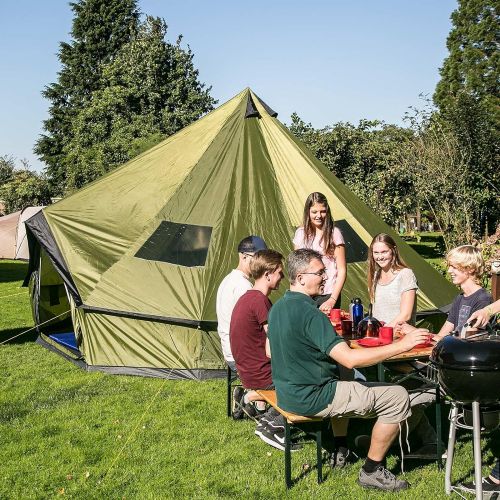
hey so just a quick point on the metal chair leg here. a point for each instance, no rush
(288, 458)
(229, 392)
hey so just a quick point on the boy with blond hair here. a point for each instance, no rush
(465, 266)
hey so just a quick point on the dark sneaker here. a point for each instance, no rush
(275, 439)
(274, 423)
(381, 479)
(251, 411)
(490, 489)
(342, 457)
(237, 408)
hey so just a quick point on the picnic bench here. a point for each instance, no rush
(313, 424)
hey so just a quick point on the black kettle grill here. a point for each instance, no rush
(469, 373)
(469, 369)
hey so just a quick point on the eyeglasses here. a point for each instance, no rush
(248, 254)
(321, 272)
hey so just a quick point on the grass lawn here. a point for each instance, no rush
(66, 432)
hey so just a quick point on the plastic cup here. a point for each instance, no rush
(346, 327)
(386, 334)
(335, 315)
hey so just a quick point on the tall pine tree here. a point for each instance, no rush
(100, 28)
(149, 91)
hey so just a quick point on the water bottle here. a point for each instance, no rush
(351, 305)
(357, 313)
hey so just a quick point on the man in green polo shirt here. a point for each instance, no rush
(305, 354)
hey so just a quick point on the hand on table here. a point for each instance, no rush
(403, 328)
(415, 337)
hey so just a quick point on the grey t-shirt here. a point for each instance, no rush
(387, 303)
(462, 307)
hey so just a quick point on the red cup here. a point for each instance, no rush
(386, 334)
(335, 316)
(346, 327)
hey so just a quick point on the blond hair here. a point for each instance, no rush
(264, 261)
(468, 259)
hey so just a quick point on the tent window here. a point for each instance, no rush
(181, 244)
(356, 250)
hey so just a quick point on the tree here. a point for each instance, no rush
(366, 159)
(24, 188)
(473, 62)
(6, 169)
(100, 28)
(149, 91)
(468, 100)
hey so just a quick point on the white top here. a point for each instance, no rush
(387, 301)
(232, 287)
(329, 262)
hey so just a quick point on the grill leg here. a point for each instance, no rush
(476, 432)
(451, 449)
(288, 458)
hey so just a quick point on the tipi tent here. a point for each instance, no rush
(13, 242)
(142, 250)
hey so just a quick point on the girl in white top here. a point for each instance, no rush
(392, 285)
(319, 233)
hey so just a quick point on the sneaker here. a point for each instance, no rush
(381, 479)
(251, 411)
(490, 489)
(342, 457)
(237, 408)
(275, 439)
(274, 423)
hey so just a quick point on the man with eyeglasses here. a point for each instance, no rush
(232, 287)
(306, 353)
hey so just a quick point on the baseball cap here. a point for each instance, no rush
(251, 244)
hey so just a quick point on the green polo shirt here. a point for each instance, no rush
(301, 337)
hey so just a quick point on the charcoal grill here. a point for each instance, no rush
(469, 373)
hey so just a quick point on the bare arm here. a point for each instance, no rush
(357, 358)
(446, 329)
(341, 264)
(405, 308)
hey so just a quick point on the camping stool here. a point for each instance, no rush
(313, 424)
(232, 376)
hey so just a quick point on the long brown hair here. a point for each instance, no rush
(397, 262)
(310, 231)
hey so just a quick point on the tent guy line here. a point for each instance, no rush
(33, 328)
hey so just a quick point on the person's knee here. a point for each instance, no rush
(401, 398)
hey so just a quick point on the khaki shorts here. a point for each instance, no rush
(389, 402)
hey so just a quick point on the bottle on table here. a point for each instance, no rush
(357, 312)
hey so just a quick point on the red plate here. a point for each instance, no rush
(423, 345)
(371, 342)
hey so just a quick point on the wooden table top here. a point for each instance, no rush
(415, 353)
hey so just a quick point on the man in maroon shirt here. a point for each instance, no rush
(247, 332)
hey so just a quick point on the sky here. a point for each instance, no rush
(326, 60)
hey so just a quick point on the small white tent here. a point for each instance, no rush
(13, 243)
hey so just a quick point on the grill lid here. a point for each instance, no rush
(480, 354)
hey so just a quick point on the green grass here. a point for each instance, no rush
(66, 432)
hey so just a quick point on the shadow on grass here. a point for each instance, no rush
(30, 336)
(13, 270)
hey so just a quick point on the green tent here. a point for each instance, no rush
(138, 254)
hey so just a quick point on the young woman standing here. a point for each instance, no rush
(318, 232)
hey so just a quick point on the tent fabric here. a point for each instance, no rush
(13, 241)
(218, 180)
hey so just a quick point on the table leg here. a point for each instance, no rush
(439, 451)
(319, 454)
(476, 432)
(381, 372)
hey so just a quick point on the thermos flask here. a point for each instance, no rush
(357, 312)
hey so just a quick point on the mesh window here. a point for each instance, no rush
(356, 250)
(181, 244)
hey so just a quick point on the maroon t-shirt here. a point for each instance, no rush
(248, 340)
